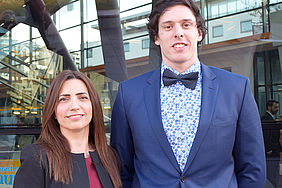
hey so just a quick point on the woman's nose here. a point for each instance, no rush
(74, 105)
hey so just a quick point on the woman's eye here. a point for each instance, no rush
(62, 99)
(84, 97)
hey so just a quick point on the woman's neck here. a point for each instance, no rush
(79, 142)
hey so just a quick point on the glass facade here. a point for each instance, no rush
(109, 42)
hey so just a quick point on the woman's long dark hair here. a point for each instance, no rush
(57, 147)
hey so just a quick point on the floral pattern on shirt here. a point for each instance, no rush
(180, 111)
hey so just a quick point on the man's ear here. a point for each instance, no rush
(156, 41)
(200, 35)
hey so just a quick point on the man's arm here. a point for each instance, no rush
(248, 151)
(121, 139)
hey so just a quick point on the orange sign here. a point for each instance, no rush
(8, 169)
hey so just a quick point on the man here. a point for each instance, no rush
(271, 141)
(186, 124)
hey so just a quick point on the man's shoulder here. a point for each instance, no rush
(224, 72)
(267, 117)
(225, 75)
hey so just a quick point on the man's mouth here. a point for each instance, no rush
(179, 45)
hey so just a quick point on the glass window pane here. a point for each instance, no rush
(128, 4)
(145, 43)
(231, 6)
(20, 33)
(136, 14)
(96, 59)
(213, 10)
(246, 26)
(35, 32)
(260, 70)
(231, 26)
(10, 146)
(275, 1)
(90, 11)
(76, 58)
(68, 16)
(222, 8)
(71, 38)
(136, 50)
(92, 36)
(217, 31)
(241, 5)
(126, 46)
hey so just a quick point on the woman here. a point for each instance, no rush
(72, 149)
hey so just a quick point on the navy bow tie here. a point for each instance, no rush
(188, 80)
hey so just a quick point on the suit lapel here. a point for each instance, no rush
(209, 94)
(152, 102)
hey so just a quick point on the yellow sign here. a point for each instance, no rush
(8, 169)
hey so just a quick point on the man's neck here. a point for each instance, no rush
(180, 67)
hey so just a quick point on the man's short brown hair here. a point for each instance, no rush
(162, 5)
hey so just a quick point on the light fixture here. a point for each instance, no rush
(16, 113)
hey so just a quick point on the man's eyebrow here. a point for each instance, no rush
(166, 22)
(183, 20)
(188, 20)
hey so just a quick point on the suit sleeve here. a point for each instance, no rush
(248, 151)
(121, 139)
(30, 174)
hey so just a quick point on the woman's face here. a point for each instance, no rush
(74, 108)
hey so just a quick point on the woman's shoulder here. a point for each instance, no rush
(33, 153)
(31, 150)
(31, 172)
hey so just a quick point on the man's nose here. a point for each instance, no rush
(178, 32)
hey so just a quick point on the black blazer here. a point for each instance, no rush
(271, 136)
(34, 174)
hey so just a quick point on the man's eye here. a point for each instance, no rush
(187, 25)
(167, 27)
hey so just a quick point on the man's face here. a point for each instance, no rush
(178, 36)
(274, 109)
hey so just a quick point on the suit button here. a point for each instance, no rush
(183, 179)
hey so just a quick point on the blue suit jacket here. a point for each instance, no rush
(228, 149)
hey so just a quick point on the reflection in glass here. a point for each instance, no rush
(90, 11)
(10, 146)
(71, 38)
(92, 35)
(25, 77)
(225, 7)
(125, 4)
(232, 26)
(68, 16)
(97, 58)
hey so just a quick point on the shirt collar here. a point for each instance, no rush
(270, 114)
(196, 67)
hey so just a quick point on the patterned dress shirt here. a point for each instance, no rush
(180, 111)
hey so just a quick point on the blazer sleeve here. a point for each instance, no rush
(121, 139)
(248, 151)
(30, 174)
